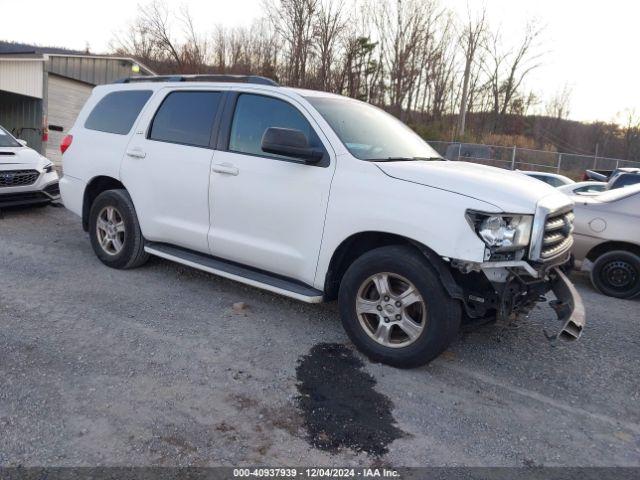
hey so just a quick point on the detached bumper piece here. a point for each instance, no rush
(568, 306)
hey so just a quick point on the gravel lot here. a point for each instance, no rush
(153, 366)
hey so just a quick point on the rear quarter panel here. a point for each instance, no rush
(597, 223)
(93, 153)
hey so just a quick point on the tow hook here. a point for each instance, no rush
(568, 307)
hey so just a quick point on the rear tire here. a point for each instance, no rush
(409, 325)
(115, 232)
(617, 274)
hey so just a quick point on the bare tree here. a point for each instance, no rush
(404, 28)
(558, 106)
(471, 40)
(293, 21)
(631, 134)
(329, 25)
(194, 50)
(154, 19)
(220, 48)
(508, 69)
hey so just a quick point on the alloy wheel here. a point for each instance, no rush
(391, 310)
(110, 230)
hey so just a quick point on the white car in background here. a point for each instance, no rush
(553, 179)
(584, 189)
(26, 177)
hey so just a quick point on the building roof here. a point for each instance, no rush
(82, 66)
(13, 48)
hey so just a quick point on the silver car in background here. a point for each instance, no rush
(607, 240)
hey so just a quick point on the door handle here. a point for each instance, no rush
(227, 168)
(136, 153)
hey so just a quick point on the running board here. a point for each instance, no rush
(234, 271)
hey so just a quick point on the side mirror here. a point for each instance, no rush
(290, 143)
(22, 142)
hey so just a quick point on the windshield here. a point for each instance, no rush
(6, 140)
(370, 133)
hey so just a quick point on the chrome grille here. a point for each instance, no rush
(557, 237)
(18, 178)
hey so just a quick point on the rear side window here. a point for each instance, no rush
(255, 114)
(186, 118)
(626, 180)
(554, 182)
(117, 111)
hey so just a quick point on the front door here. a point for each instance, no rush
(167, 167)
(268, 211)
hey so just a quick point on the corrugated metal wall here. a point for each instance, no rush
(22, 116)
(66, 99)
(93, 70)
(22, 76)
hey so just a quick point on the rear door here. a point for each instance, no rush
(167, 166)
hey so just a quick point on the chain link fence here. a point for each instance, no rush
(514, 158)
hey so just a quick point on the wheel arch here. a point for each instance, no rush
(360, 243)
(610, 246)
(95, 187)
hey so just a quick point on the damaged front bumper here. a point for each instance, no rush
(568, 306)
(514, 288)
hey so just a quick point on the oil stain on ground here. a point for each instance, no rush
(339, 405)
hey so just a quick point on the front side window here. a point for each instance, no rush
(370, 133)
(588, 189)
(117, 111)
(186, 118)
(7, 140)
(254, 114)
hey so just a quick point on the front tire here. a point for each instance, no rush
(395, 309)
(115, 232)
(617, 274)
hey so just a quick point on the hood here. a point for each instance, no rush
(509, 191)
(21, 157)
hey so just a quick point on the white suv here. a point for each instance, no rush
(317, 197)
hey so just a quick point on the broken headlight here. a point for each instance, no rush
(502, 232)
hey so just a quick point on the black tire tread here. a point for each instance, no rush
(136, 256)
(444, 312)
(606, 257)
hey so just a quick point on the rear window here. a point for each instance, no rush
(186, 118)
(117, 111)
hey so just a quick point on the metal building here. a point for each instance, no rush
(43, 89)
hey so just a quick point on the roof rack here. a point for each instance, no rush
(201, 78)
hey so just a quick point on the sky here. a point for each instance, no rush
(591, 46)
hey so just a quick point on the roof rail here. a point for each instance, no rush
(201, 78)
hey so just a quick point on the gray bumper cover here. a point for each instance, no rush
(568, 307)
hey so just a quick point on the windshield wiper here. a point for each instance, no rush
(403, 159)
